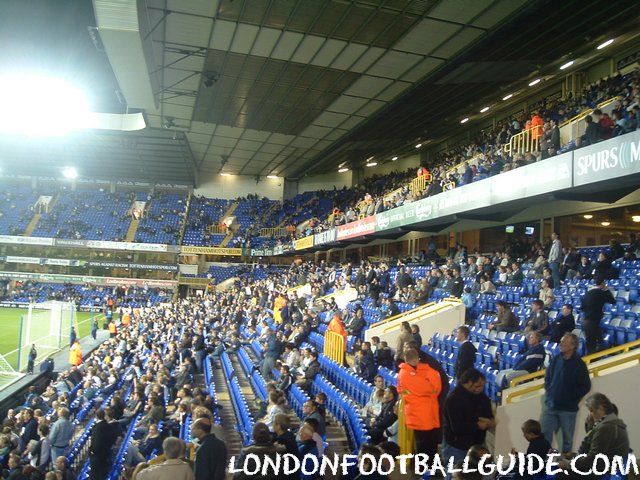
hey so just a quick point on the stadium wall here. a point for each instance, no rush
(234, 186)
(326, 181)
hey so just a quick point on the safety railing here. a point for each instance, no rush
(419, 184)
(217, 229)
(589, 111)
(406, 437)
(334, 347)
(526, 141)
(589, 360)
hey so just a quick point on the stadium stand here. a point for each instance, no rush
(495, 334)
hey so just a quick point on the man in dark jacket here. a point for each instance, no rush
(304, 381)
(102, 441)
(531, 361)
(592, 308)
(566, 381)
(365, 362)
(275, 347)
(467, 416)
(457, 283)
(564, 323)
(355, 323)
(507, 321)
(211, 455)
(466, 352)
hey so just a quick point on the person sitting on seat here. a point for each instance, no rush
(532, 360)
(386, 417)
(507, 321)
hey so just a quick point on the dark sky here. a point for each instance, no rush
(50, 37)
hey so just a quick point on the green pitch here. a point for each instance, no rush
(10, 330)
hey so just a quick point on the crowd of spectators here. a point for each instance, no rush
(487, 155)
(158, 354)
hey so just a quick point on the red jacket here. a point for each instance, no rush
(420, 387)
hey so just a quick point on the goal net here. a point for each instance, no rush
(46, 325)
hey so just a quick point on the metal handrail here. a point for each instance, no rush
(588, 360)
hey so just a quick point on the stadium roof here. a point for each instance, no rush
(297, 87)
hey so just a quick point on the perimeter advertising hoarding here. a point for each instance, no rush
(328, 236)
(541, 177)
(213, 251)
(303, 243)
(14, 239)
(612, 158)
(357, 228)
(48, 277)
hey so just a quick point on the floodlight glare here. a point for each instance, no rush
(70, 173)
(38, 105)
(272, 177)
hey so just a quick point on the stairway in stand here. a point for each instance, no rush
(32, 224)
(231, 232)
(231, 437)
(131, 231)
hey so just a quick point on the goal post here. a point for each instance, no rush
(46, 325)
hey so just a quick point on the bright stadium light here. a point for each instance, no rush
(343, 169)
(372, 164)
(507, 97)
(587, 216)
(605, 223)
(70, 173)
(534, 82)
(605, 44)
(393, 159)
(225, 174)
(484, 109)
(418, 145)
(636, 218)
(272, 177)
(566, 65)
(38, 105)
(464, 120)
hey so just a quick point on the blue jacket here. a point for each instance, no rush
(566, 382)
(274, 348)
(532, 360)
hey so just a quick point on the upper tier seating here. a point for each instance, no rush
(164, 219)
(89, 215)
(16, 205)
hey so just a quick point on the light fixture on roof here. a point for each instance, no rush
(394, 158)
(604, 44)
(484, 109)
(566, 65)
(372, 164)
(418, 145)
(507, 97)
(636, 218)
(534, 82)
(272, 177)
(605, 223)
(225, 174)
(587, 216)
(343, 169)
(464, 120)
(70, 173)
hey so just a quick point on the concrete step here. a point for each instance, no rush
(231, 437)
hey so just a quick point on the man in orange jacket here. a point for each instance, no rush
(420, 385)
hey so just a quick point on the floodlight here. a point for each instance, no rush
(70, 173)
(38, 105)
